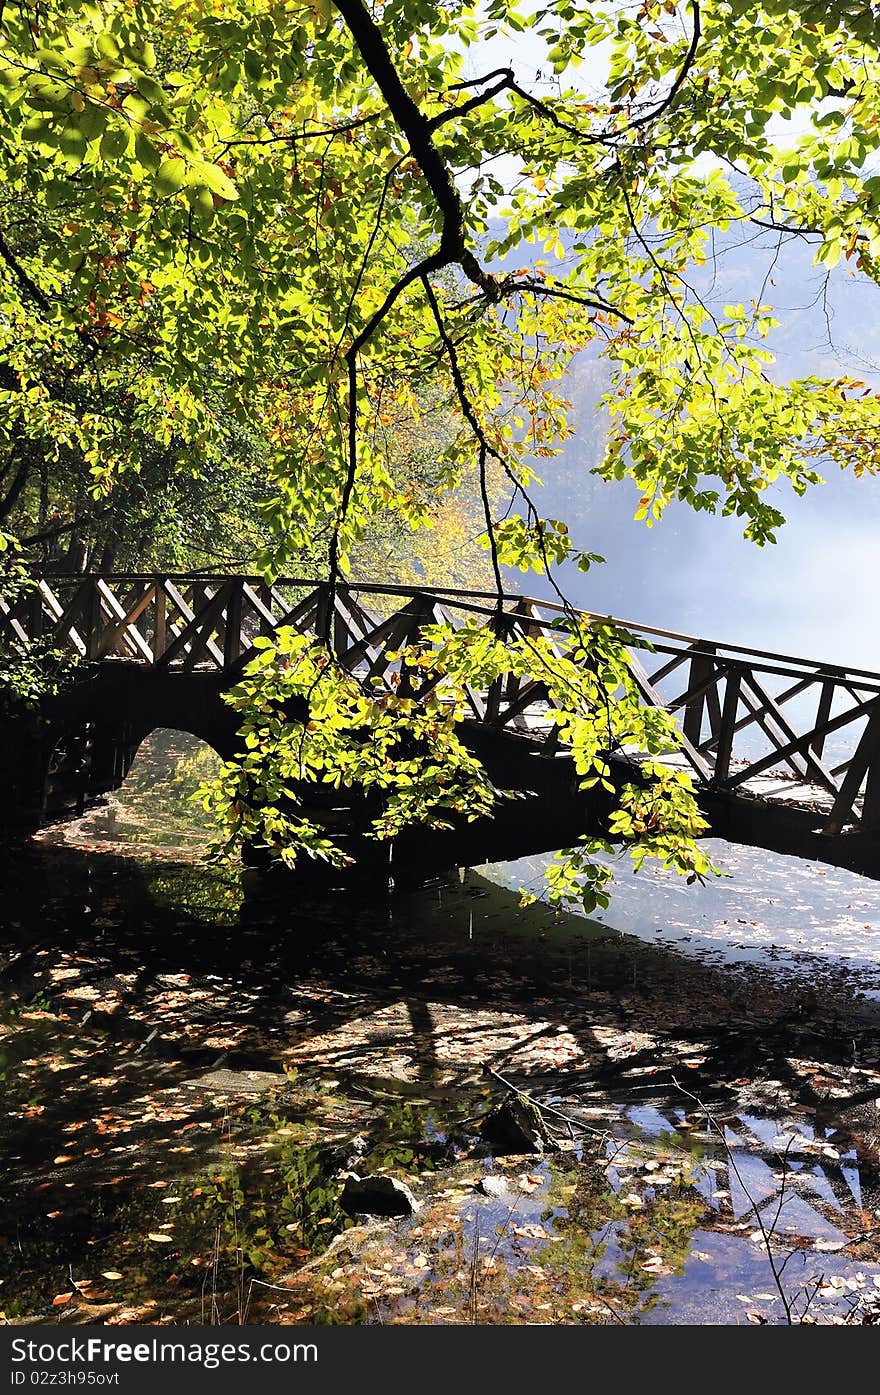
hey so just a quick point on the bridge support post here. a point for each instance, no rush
(728, 724)
(232, 638)
(871, 798)
(700, 681)
(865, 762)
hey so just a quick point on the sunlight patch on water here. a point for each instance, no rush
(154, 809)
(782, 912)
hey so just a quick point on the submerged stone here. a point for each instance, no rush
(515, 1126)
(493, 1186)
(377, 1195)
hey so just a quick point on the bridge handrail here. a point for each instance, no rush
(697, 646)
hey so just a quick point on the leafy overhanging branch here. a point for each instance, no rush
(251, 206)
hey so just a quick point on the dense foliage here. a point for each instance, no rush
(272, 231)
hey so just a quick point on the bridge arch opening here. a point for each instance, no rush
(154, 804)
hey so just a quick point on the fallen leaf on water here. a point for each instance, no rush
(529, 1184)
(159, 1238)
(110, 1274)
(656, 1266)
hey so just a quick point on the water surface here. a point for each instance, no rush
(191, 1058)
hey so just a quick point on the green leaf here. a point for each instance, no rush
(171, 175)
(211, 177)
(150, 89)
(115, 142)
(72, 140)
(146, 152)
(40, 131)
(200, 200)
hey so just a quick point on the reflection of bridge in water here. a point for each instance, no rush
(785, 752)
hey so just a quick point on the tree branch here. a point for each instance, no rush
(472, 103)
(316, 134)
(560, 293)
(28, 286)
(416, 128)
(682, 74)
(19, 480)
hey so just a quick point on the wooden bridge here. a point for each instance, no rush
(785, 752)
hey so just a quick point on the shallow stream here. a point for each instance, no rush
(192, 1057)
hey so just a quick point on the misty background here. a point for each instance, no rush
(813, 593)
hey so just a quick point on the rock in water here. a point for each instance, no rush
(377, 1196)
(493, 1186)
(515, 1126)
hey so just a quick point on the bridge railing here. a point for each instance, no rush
(751, 720)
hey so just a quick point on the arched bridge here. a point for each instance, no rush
(785, 751)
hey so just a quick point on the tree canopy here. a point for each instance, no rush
(308, 224)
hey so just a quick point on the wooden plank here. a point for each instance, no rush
(527, 696)
(159, 624)
(299, 616)
(353, 625)
(125, 625)
(814, 765)
(190, 632)
(232, 640)
(57, 612)
(67, 614)
(843, 719)
(702, 673)
(866, 754)
(823, 712)
(870, 816)
(759, 715)
(713, 710)
(753, 712)
(643, 683)
(670, 666)
(259, 603)
(36, 615)
(182, 605)
(727, 725)
(12, 624)
(374, 646)
(698, 690)
(93, 610)
(206, 621)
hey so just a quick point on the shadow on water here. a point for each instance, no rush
(191, 1057)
